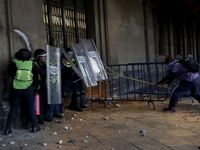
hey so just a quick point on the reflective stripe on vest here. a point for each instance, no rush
(24, 77)
(68, 64)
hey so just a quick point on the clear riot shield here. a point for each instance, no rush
(94, 60)
(87, 75)
(53, 75)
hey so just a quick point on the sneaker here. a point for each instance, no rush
(173, 109)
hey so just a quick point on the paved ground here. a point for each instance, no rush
(116, 128)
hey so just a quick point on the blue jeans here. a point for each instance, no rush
(183, 87)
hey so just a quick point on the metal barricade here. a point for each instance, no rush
(118, 88)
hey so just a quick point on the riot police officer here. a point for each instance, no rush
(21, 70)
(40, 81)
(70, 83)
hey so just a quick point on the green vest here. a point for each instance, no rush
(68, 64)
(24, 77)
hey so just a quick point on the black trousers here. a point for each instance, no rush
(16, 97)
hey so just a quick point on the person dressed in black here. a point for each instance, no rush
(71, 82)
(50, 110)
(40, 81)
(22, 70)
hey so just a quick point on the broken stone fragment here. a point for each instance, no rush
(55, 133)
(60, 142)
(117, 105)
(72, 141)
(12, 142)
(44, 144)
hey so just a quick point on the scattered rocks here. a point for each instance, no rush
(55, 133)
(12, 142)
(60, 142)
(117, 105)
(72, 140)
(44, 144)
(143, 132)
(66, 128)
(59, 121)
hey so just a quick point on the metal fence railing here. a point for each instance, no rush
(124, 84)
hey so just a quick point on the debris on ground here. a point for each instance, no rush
(81, 119)
(55, 133)
(106, 118)
(66, 128)
(44, 144)
(86, 136)
(3, 144)
(143, 132)
(84, 141)
(117, 105)
(93, 114)
(126, 124)
(59, 121)
(59, 146)
(60, 142)
(12, 142)
(75, 115)
(90, 133)
(143, 107)
(46, 128)
(72, 141)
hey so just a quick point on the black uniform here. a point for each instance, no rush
(77, 88)
(22, 95)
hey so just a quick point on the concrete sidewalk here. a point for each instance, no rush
(116, 128)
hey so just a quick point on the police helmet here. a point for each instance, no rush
(23, 54)
(39, 53)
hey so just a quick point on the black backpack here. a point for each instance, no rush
(191, 64)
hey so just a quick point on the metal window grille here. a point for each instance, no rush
(69, 31)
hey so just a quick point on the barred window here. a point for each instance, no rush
(64, 21)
